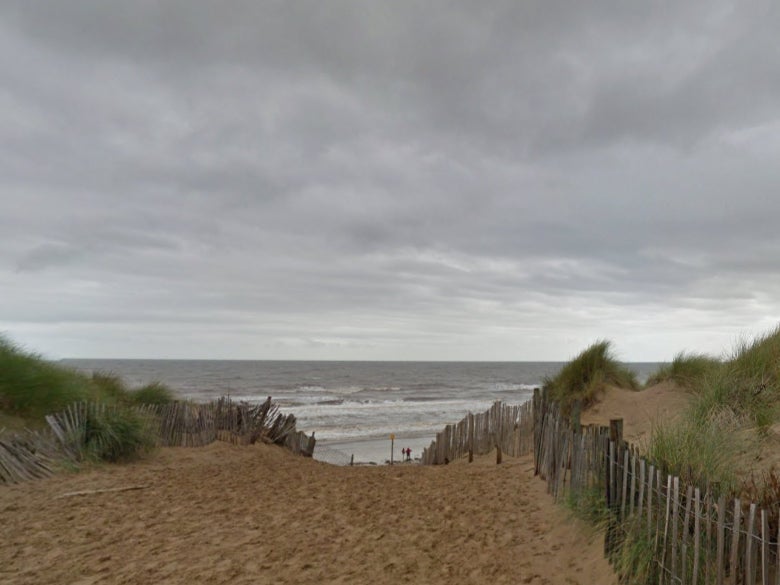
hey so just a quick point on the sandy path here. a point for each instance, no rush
(226, 514)
(640, 411)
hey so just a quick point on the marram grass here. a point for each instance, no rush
(588, 374)
(154, 393)
(589, 506)
(117, 434)
(734, 402)
(635, 561)
(701, 452)
(31, 386)
(747, 384)
(686, 369)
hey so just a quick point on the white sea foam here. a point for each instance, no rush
(349, 401)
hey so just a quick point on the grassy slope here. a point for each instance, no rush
(747, 385)
(735, 402)
(31, 386)
(587, 374)
(686, 370)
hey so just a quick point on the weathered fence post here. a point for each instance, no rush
(696, 535)
(471, 438)
(576, 411)
(616, 430)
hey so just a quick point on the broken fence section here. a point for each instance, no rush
(35, 454)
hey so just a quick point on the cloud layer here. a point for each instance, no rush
(330, 180)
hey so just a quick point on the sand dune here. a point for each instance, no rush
(227, 514)
(639, 410)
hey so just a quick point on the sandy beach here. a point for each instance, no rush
(229, 514)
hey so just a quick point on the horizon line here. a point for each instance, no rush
(477, 361)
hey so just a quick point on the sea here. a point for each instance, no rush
(354, 408)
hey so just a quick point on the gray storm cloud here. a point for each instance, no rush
(388, 181)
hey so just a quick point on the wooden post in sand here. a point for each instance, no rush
(471, 437)
(616, 430)
(392, 447)
(615, 441)
(576, 410)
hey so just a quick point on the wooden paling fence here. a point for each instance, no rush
(26, 456)
(32, 455)
(507, 427)
(697, 535)
(300, 443)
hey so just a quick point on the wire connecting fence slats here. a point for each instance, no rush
(697, 535)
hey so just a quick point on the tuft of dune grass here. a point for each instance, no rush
(686, 369)
(31, 387)
(117, 434)
(154, 393)
(700, 451)
(588, 374)
(735, 402)
(747, 383)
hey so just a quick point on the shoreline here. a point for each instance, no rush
(369, 451)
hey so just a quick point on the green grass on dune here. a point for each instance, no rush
(635, 560)
(112, 388)
(109, 387)
(154, 393)
(31, 387)
(686, 369)
(118, 434)
(734, 403)
(701, 452)
(588, 374)
(746, 385)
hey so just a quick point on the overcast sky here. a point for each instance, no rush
(490, 180)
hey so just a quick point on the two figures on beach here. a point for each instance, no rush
(407, 453)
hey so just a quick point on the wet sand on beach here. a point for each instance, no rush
(240, 515)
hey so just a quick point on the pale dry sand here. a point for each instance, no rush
(640, 411)
(235, 515)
